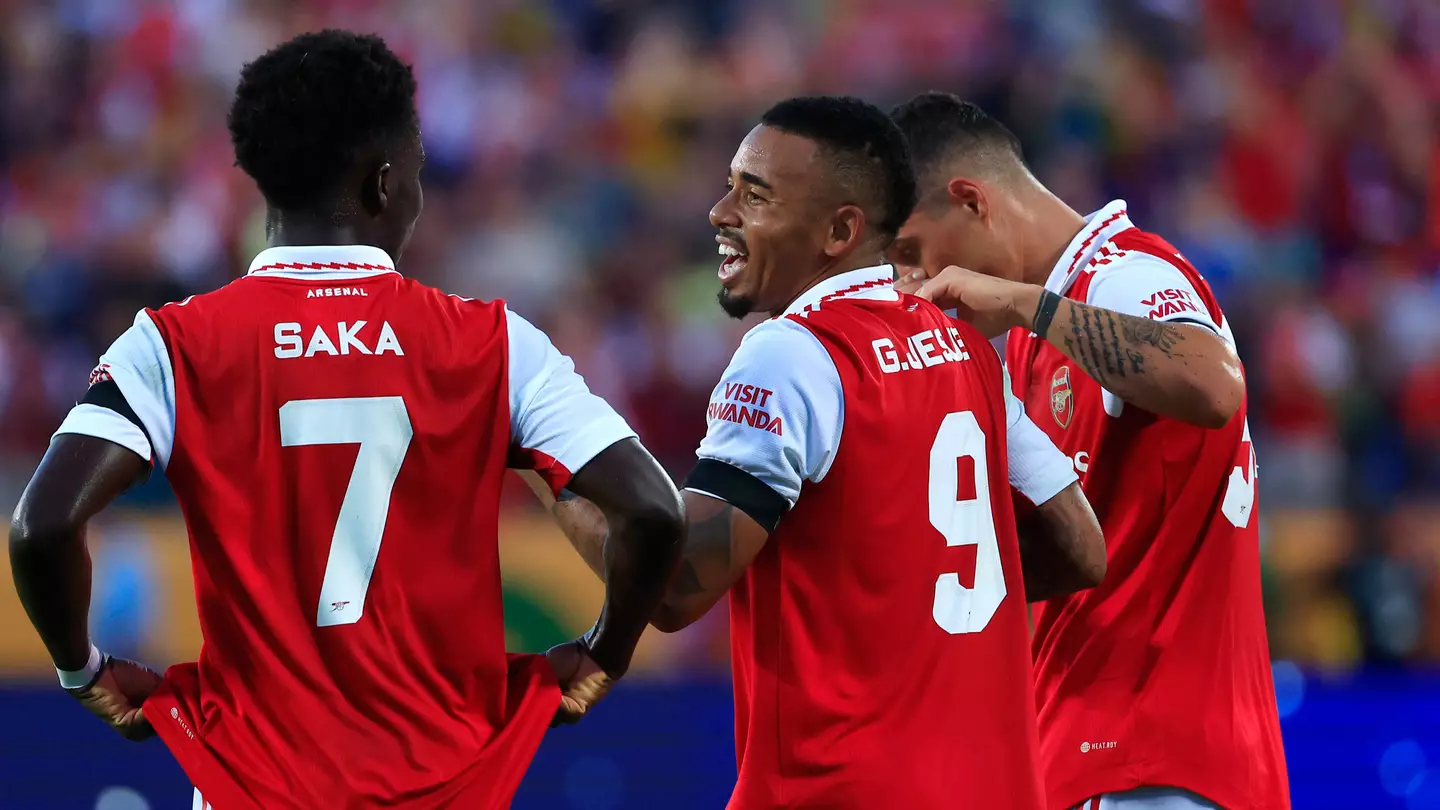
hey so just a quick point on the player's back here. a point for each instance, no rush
(340, 437)
(880, 638)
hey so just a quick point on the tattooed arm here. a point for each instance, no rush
(722, 541)
(637, 550)
(1180, 370)
(581, 521)
(1184, 371)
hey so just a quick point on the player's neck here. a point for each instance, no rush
(839, 268)
(290, 229)
(1053, 225)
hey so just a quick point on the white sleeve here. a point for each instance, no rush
(139, 364)
(1037, 467)
(556, 424)
(1149, 287)
(778, 411)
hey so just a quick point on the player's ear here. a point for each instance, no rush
(969, 196)
(375, 190)
(846, 228)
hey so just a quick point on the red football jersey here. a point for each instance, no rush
(337, 436)
(879, 639)
(1161, 675)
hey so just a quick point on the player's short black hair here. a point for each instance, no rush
(938, 125)
(868, 149)
(307, 109)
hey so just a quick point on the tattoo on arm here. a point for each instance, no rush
(709, 549)
(1109, 345)
(586, 527)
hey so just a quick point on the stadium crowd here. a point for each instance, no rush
(575, 146)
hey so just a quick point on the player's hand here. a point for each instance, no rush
(992, 304)
(116, 697)
(910, 280)
(582, 682)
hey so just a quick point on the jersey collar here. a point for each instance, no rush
(874, 283)
(322, 262)
(1099, 228)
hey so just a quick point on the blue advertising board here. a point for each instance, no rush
(1369, 742)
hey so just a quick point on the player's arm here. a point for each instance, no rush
(558, 426)
(721, 542)
(638, 526)
(1181, 370)
(1178, 368)
(106, 444)
(1061, 547)
(746, 476)
(78, 477)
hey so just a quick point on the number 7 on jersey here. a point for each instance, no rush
(381, 426)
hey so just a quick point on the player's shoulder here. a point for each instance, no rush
(1135, 243)
(199, 304)
(963, 335)
(782, 353)
(447, 303)
(1140, 273)
(968, 334)
(1137, 253)
(196, 313)
(779, 340)
(224, 306)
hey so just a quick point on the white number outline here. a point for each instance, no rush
(381, 426)
(957, 609)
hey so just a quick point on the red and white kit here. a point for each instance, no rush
(1161, 675)
(879, 639)
(337, 436)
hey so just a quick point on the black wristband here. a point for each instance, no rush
(1049, 303)
(587, 644)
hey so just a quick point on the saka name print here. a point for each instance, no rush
(290, 340)
(745, 405)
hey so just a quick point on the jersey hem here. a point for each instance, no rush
(1079, 791)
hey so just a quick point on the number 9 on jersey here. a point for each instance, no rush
(964, 522)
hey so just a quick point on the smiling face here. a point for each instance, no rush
(773, 222)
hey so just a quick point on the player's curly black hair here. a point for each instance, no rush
(938, 125)
(868, 148)
(307, 109)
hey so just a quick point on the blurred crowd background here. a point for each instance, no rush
(1287, 147)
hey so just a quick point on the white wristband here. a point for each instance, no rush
(81, 678)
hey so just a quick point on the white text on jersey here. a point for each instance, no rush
(333, 292)
(290, 343)
(930, 348)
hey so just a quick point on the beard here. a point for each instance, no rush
(736, 306)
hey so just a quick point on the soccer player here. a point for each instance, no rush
(852, 496)
(337, 436)
(1154, 689)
